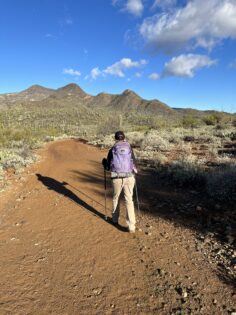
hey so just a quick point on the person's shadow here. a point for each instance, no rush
(60, 188)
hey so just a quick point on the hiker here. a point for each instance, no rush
(121, 163)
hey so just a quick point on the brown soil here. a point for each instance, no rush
(60, 256)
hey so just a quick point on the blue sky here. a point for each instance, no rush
(180, 52)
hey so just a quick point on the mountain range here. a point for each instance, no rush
(72, 94)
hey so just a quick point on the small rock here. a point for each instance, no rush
(160, 272)
(41, 259)
(97, 291)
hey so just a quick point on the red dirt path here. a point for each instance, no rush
(59, 256)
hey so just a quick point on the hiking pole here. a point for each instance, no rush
(104, 162)
(105, 192)
(136, 192)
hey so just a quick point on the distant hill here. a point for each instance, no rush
(71, 90)
(32, 94)
(72, 94)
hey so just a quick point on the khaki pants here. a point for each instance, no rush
(126, 184)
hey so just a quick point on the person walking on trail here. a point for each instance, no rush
(121, 163)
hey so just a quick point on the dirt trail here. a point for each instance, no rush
(59, 256)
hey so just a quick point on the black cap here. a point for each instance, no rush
(119, 135)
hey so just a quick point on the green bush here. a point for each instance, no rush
(190, 122)
(214, 119)
(210, 120)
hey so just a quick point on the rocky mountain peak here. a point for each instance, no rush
(71, 89)
(130, 93)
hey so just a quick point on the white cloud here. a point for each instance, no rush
(163, 4)
(200, 23)
(72, 72)
(134, 7)
(118, 68)
(186, 65)
(95, 72)
(154, 76)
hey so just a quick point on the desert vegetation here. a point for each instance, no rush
(188, 148)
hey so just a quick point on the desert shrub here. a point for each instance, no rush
(190, 122)
(16, 158)
(233, 136)
(135, 138)
(183, 174)
(209, 120)
(189, 138)
(221, 185)
(159, 158)
(214, 119)
(154, 141)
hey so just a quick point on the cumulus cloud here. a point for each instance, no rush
(186, 65)
(134, 7)
(95, 72)
(118, 68)
(72, 72)
(199, 23)
(154, 76)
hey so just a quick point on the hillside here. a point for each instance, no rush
(72, 94)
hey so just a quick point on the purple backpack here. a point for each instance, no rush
(122, 161)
